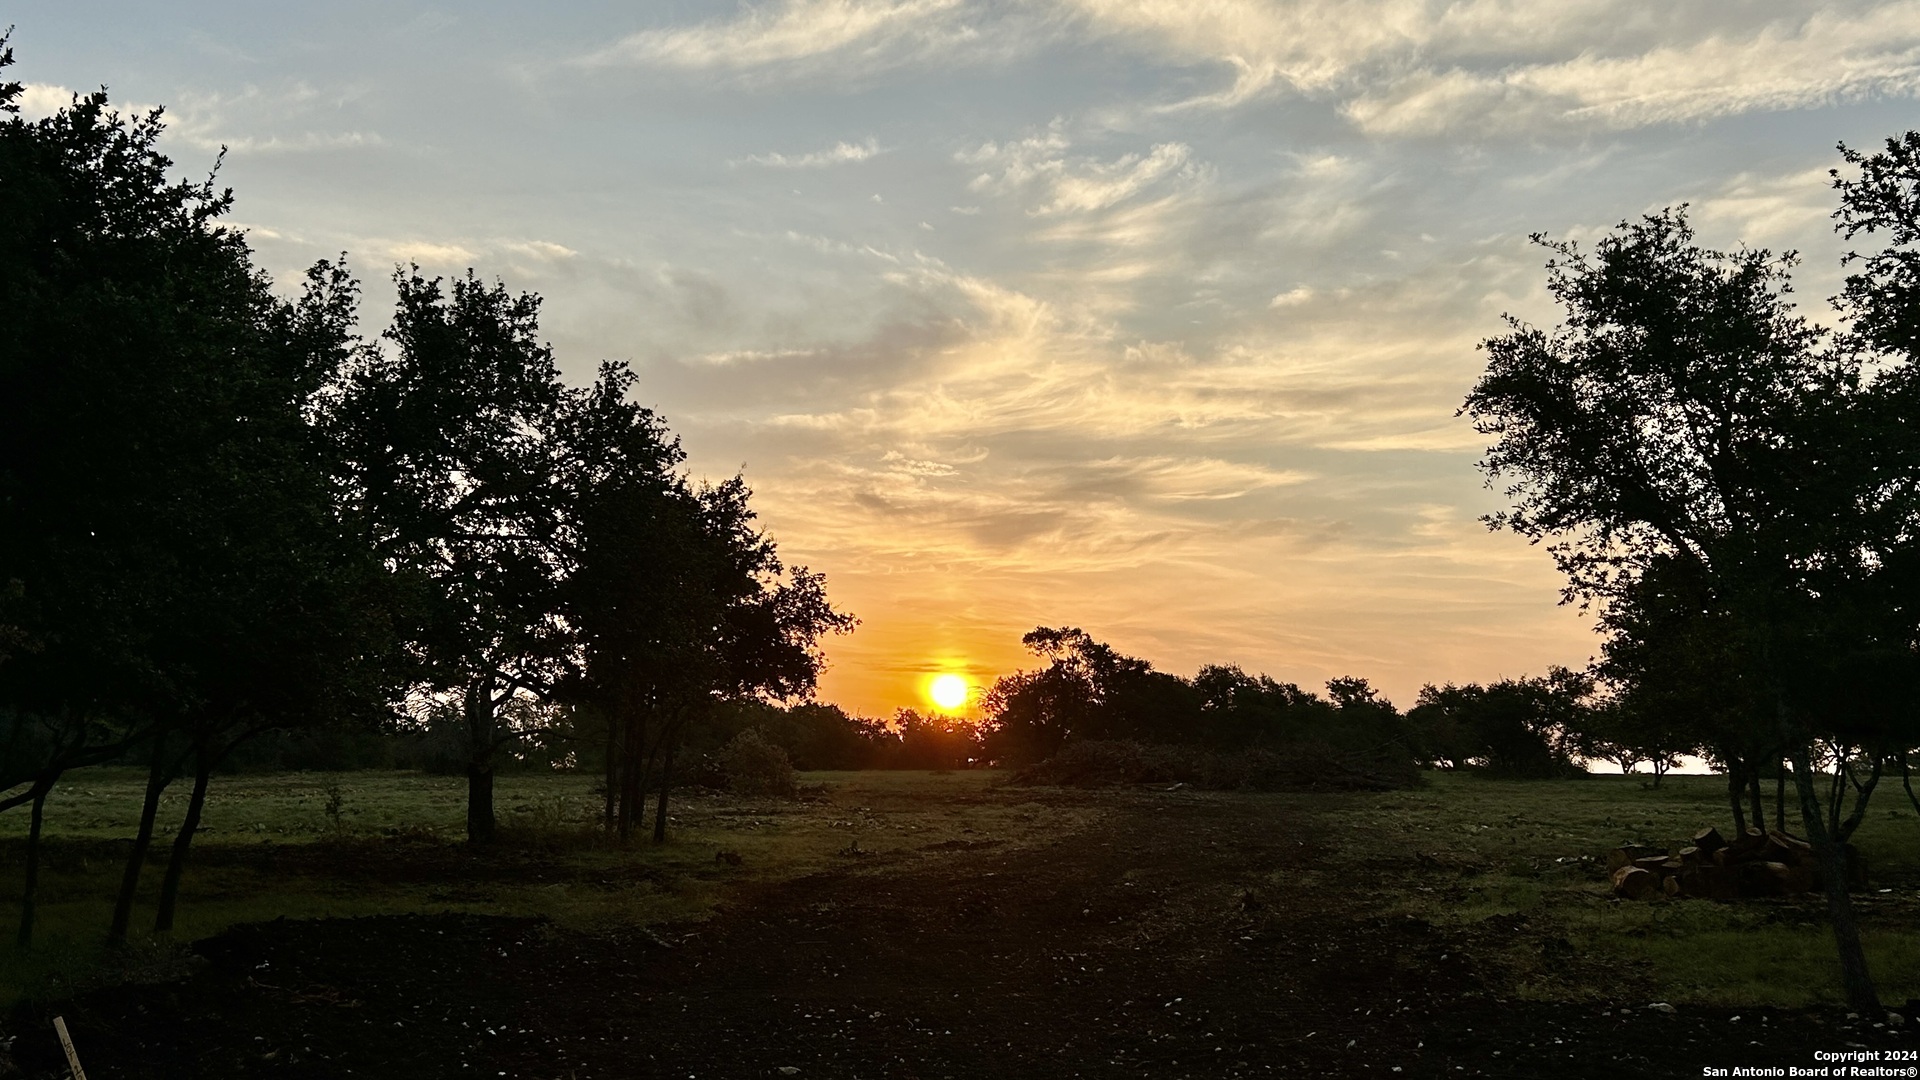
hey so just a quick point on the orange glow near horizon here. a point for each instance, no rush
(1320, 620)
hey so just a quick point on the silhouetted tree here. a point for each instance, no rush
(930, 741)
(1077, 695)
(765, 642)
(677, 602)
(177, 567)
(1517, 728)
(447, 434)
(1684, 412)
(1242, 710)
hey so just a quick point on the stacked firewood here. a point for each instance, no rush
(1763, 862)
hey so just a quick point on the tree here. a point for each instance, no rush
(639, 598)
(932, 741)
(1684, 413)
(764, 643)
(1672, 660)
(1088, 690)
(1881, 299)
(446, 435)
(1242, 710)
(1518, 728)
(180, 573)
(676, 601)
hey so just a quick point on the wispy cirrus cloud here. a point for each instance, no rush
(1391, 67)
(874, 33)
(840, 153)
(1410, 68)
(211, 122)
(1792, 63)
(1070, 184)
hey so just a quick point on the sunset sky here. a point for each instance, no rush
(1149, 318)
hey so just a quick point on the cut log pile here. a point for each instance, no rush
(1763, 862)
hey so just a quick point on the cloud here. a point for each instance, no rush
(1825, 58)
(874, 33)
(429, 254)
(1492, 67)
(1104, 184)
(39, 100)
(267, 121)
(839, 154)
(544, 250)
(1785, 210)
(304, 143)
(1074, 185)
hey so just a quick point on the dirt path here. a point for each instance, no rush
(1184, 940)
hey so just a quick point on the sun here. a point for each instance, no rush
(949, 691)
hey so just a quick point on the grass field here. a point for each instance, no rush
(269, 847)
(1537, 848)
(1459, 852)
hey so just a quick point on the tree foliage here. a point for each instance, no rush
(1514, 728)
(1726, 481)
(1090, 692)
(176, 568)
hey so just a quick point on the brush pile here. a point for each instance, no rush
(1763, 862)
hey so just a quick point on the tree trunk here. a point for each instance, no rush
(177, 861)
(633, 784)
(1832, 861)
(37, 815)
(1844, 829)
(1753, 791)
(612, 770)
(1733, 796)
(157, 779)
(480, 732)
(1780, 798)
(480, 820)
(666, 782)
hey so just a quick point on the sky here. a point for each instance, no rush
(1149, 318)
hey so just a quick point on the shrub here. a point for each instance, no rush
(754, 766)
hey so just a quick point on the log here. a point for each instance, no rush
(1752, 842)
(1709, 840)
(1692, 855)
(1673, 886)
(1788, 849)
(1801, 878)
(1626, 854)
(1635, 883)
(1766, 879)
(1712, 882)
(1659, 865)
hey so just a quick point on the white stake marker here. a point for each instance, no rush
(66, 1043)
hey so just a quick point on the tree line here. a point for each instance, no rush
(1087, 691)
(224, 514)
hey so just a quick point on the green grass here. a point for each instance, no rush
(269, 848)
(1457, 852)
(1537, 848)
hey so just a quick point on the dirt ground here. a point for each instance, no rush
(1184, 936)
